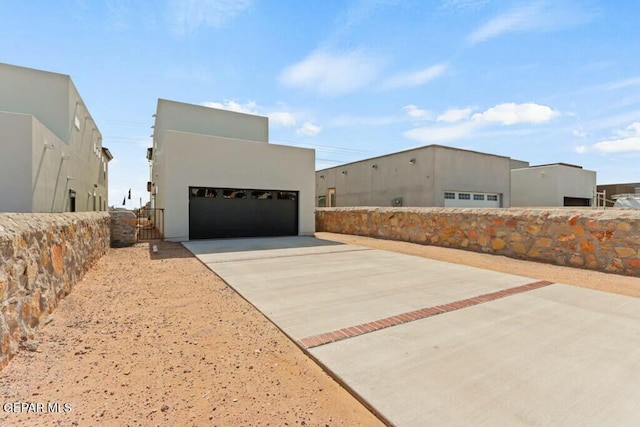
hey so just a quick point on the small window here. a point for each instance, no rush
(492, 197)
(322, 201)
(464, 196)
(478, 197)
(201, 192)
(262, 195)
(287, 195)
(450, 196)
(230, 193)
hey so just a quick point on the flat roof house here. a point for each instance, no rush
(215, 175)
(432, 176)
(552, 185)
(51, 153)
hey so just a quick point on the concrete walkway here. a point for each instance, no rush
(431, 343)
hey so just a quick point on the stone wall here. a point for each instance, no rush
(124, 231)
(603, 240)
(42, 256)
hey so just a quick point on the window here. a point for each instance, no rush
(261, 194)
(287, 195)
(229, 193)
(203, 192)
(450, 196)
(322, 201)
(464, 196)
(478, 197)
(492, 197)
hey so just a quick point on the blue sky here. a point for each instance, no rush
(541, 81)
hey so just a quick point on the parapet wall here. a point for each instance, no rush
(602, 240)
(42, 256)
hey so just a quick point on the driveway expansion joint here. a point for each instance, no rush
(399, 319)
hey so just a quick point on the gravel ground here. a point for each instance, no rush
(148, 339)
(158, 339)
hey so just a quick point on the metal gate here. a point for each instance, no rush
(150, 223)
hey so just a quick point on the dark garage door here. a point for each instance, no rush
(228, 212)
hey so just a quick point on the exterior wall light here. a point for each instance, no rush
(321, 176)
(412, 161)
(374, 166)
(344, 172)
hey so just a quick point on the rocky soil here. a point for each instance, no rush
(158, 339)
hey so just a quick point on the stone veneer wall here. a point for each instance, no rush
(124, 230)
(42, 256)
(603, 240)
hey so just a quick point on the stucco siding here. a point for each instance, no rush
(548, 185)
(199, 160)
(39, 93)
(181, 117)
(15, 162)
(460, 170)
(419, 177)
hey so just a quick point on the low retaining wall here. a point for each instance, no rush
(124, 230)
(603, 240)
(42, 256)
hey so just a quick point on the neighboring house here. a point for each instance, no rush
(434, 175)
(612, 190)
(552, 185)
(51, 153)
(214, 174)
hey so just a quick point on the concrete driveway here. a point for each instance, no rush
(425, 342)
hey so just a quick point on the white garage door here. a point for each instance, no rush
(469, 199)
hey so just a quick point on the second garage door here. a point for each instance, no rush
(229, 212)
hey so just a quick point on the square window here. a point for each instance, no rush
(464, 196)
(492, 197)
(478, 197)
(450, 196)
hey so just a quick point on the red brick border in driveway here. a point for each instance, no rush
(354, 331)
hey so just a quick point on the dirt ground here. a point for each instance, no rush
(149, 339)
(158, 339)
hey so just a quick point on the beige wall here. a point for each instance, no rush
(182, 117)
(15, 162)
(548, 185)
(422, 182)
(209, 161)
(57, 118)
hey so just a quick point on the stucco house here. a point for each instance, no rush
(215, 174)
(552, 185)
(51, 153)
(433, 176)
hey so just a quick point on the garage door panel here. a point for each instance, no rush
(220, 217)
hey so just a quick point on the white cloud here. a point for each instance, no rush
(511, 113)
(282, 118)
(416, 78)
(581, 149)
(455, 115)
(464, 125)
(537, 16)
(415, 112)
(330, 73)
(309, 129)
(629, 141)
(436, 134)
(186, 16)
(249, 107)
(578, 133)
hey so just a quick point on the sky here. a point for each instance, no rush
(540, 81)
